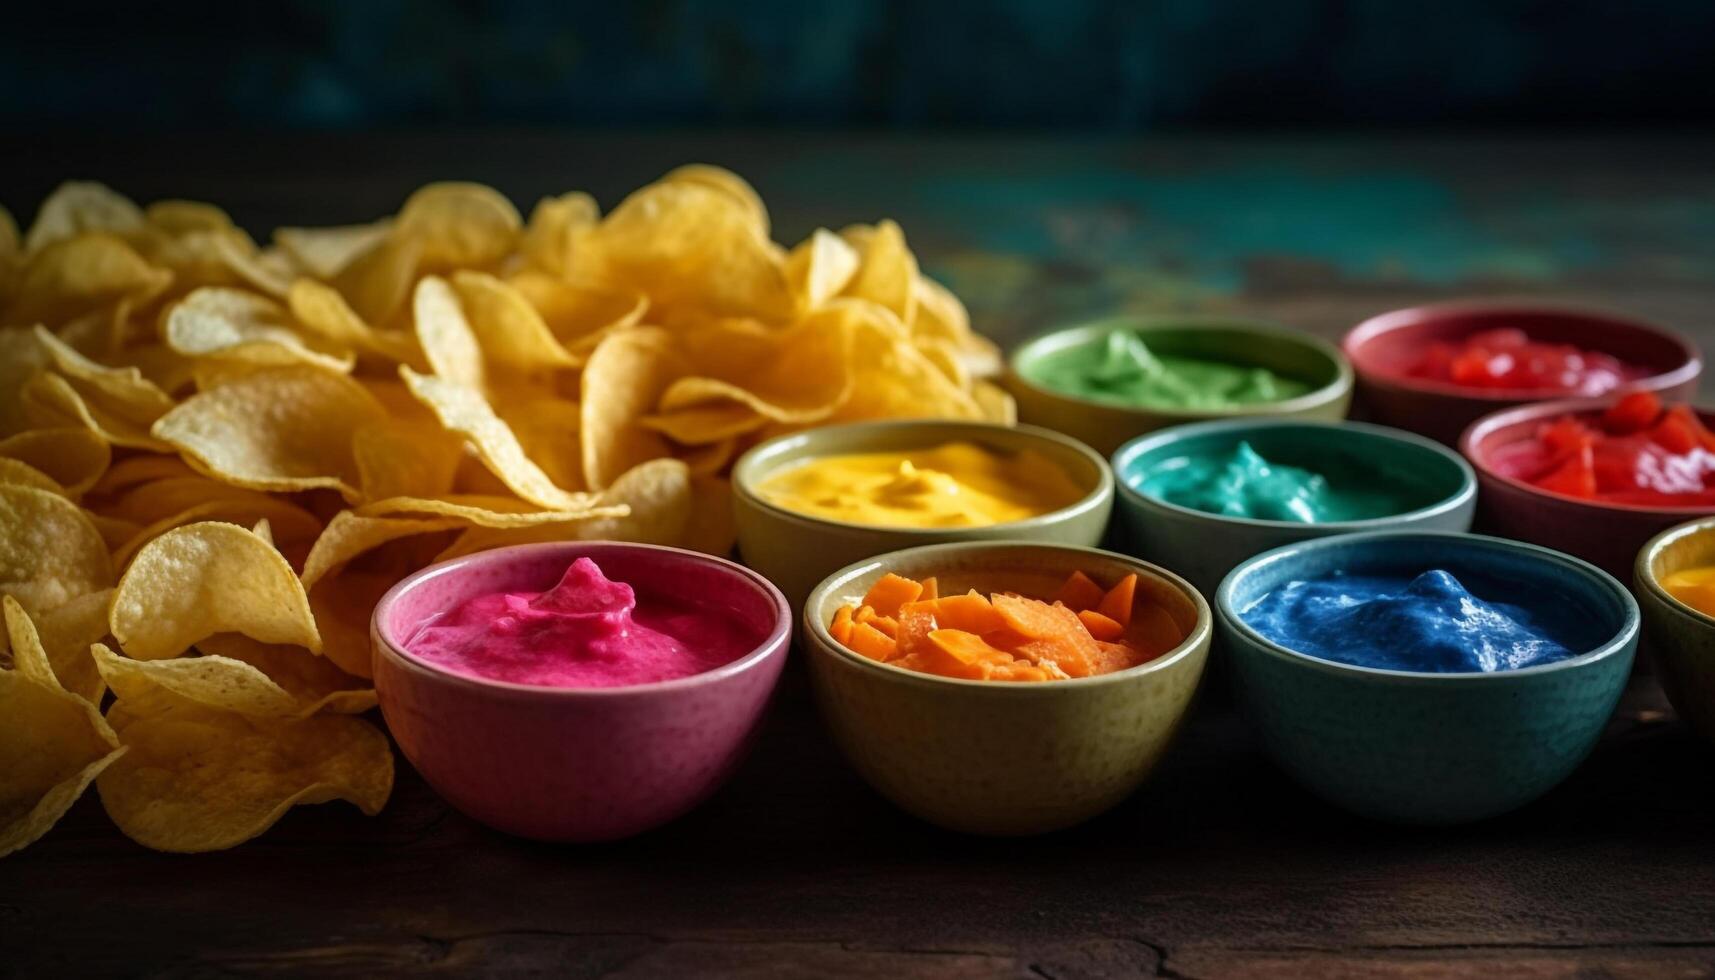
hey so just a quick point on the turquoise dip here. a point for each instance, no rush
(1241, 483)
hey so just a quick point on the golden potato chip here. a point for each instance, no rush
(547, 428)
(940, 315)
(53, 743)
(66, 632)
(705, 424)
(377, 282)
(402, 457)
(726, 182)
(196, 778)
(462, 409)
(807, 378)
(657, 495)
(342, 598)
(177, 217)
(510, 332)
(78, 206)
(19, 473)
(121, 392)
(945, 357)
(136, 470)
(323, 312)
(292, 529)
(580, 314)
(286, 428)
(74, 458)
(150, 500)
(271, 272)
(76, 275)
(164, 367)
(20, 358)
(709, 458)
(554, 227)
(235, 324)
(820, 267)
(325, 252)
(315, 682)
(52, 402)
(206, 578)
(892, 379)
(622, 382)
(887, 271)
(483, 511)
(115, 531)
(218, 682)
(50, 553)
(350, 535)
(460, 225)
(445, 335)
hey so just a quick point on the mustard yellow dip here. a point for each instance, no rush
(955, 484)
(1693, 586)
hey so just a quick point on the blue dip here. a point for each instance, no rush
(1427, 624)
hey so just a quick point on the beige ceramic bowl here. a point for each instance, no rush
(1000, 758)
(1682, 639)
(796, 551)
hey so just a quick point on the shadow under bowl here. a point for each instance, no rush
(995, 757)
(1681, 638)
(1106, 425)
(576, 764)
(1427, 748)
(1384, 349)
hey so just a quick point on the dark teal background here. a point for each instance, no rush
(1091, 65)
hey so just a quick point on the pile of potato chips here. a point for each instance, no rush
(215, 457)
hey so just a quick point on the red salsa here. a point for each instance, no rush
(1635, 452)
(1506, 358)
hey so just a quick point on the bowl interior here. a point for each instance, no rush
(1686, 546)
(1085, 468)
(1424, 473)
(1028, 569)
(1485, 565)
(649, 569)
(1288, 353)
(1390, 345)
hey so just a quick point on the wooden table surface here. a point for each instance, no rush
(1219, 866)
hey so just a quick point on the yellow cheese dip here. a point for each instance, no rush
(955, 484)
(1693, 586)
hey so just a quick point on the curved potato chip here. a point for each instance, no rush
(270, 272)
(50, 553)
(123, 392)
(177, 217)
(20, 358)
(463, 410)
(819, 267)
(887, 271)
(945, 357)
(137, 470)
(66, 632)
(206, 578)
(445, 335)
(894, 380)
(343, 599)
(79, 206)
(939, 312)
(279, 429)
(315, 682)
(219, 682)
(115, 531)
(151, 500)
(709, 458)
(325, 252)
(404, 458)
(623, 381)
(52, 741)
(728, 183)
(235, 324)
(805, 380)
(54, 403)
(657, 495)
(509, 330)
(483, 511)
(460, 224)
(321, 310)
(74, 458)
(580, 314)
(705, 423)
(350, 535)
(76, 275)
(377, 282)
(196, 778)
(554, 226)
(22, 474)
(295, 527)
(547, 427)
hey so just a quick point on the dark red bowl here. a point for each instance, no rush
(1383, 349)
(1605, 534)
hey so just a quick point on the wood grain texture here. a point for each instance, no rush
(1219, 866)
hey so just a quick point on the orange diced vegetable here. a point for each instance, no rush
(872, 643)
(887, 624)
(931, 590)
(1054, 633)
(1100, 627)
(841, 627)
(957, 653)
(1116, 605)
(969, 612)
(1079, 593)
(890, 592)
(1118, 656)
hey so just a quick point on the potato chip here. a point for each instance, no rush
(136, 470)
(555, 226)
(343, 599)
(622, 382)
(77, 275)
(547, 427)
(893, 379)
(510, 332)
(66, 632)
(483, 511)
(122, 392)
(150, 500)
(197, 778)
(325, 252)
(377, 282)
(284, 428)
(219, 682)
(402, 457)
(463, 410)
(74, 458)
(704, 424)
(819, 268)
(232, 324)
(292, 529)
(76, 207)
(207, 578)
(20, 358)
(710, 458)
(52, 743)
(580, 314)
(351, 535)
(114, 531)
(460, 225)
(444, 334)
(316, 683)
(323, 312)
(19, 473)
(50, 553)
(52, 402)
(806, 379)
(657, 495)
(887, 271)
(270, 272)
(726, 182)
(176, 217)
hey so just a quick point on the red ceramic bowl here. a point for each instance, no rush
(1605, 534)
(575, 764)
(1383, 349)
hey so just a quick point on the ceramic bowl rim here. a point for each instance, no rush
(744, 480)
(1375, 326)
(1125, 454)
(1646, 576)
(1487, 425)
(1200, 634)
(1626, 634)
(774, 644)
(1339, 387)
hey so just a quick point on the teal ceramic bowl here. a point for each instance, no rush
(1681, 638)
(1438, 489)
(795, 551)
(995, 757)
(1105, 425)
(1424, 748)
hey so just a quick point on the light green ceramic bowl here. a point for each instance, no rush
(999, 758)
(1106, 425)
(1682, 639)
(796, 551)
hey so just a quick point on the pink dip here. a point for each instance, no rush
(586, 631)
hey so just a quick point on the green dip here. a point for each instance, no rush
(1121, 369)
(1243, 484)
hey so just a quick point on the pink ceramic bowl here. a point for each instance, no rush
(1607, 535)
(1384, 348)
(565, 764)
